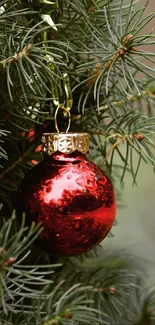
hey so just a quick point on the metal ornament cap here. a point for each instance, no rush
(65, 142)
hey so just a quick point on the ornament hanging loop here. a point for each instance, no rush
(67, 112)
(67, 105)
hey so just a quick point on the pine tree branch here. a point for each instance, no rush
(16, 56)
(104, 67)
(25, 157)
(3, 154)
(19, 281)
(109, 278)
(136, 132)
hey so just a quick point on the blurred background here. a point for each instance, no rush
(136, 220)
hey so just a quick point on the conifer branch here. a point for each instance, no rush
(24, 158)
(16, 56)
(15, 276)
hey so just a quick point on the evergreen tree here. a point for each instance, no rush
(90, 56)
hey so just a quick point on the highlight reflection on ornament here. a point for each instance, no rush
(74, 201)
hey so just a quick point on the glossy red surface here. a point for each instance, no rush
(74, 201)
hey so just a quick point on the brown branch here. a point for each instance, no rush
(110, 289)
(112, 148)
(91, 8)
(17, 56)
(124, 47)
(16, 163)
(136, 136)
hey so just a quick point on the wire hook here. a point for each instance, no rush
(69, 118)
(67, 103)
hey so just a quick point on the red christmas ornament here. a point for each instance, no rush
(69, 195)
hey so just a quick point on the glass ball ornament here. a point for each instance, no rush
(71, 197)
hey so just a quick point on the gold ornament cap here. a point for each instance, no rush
(65, 142)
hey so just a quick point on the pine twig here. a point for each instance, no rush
(124, 47)
(15, 164)
(17, 56)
